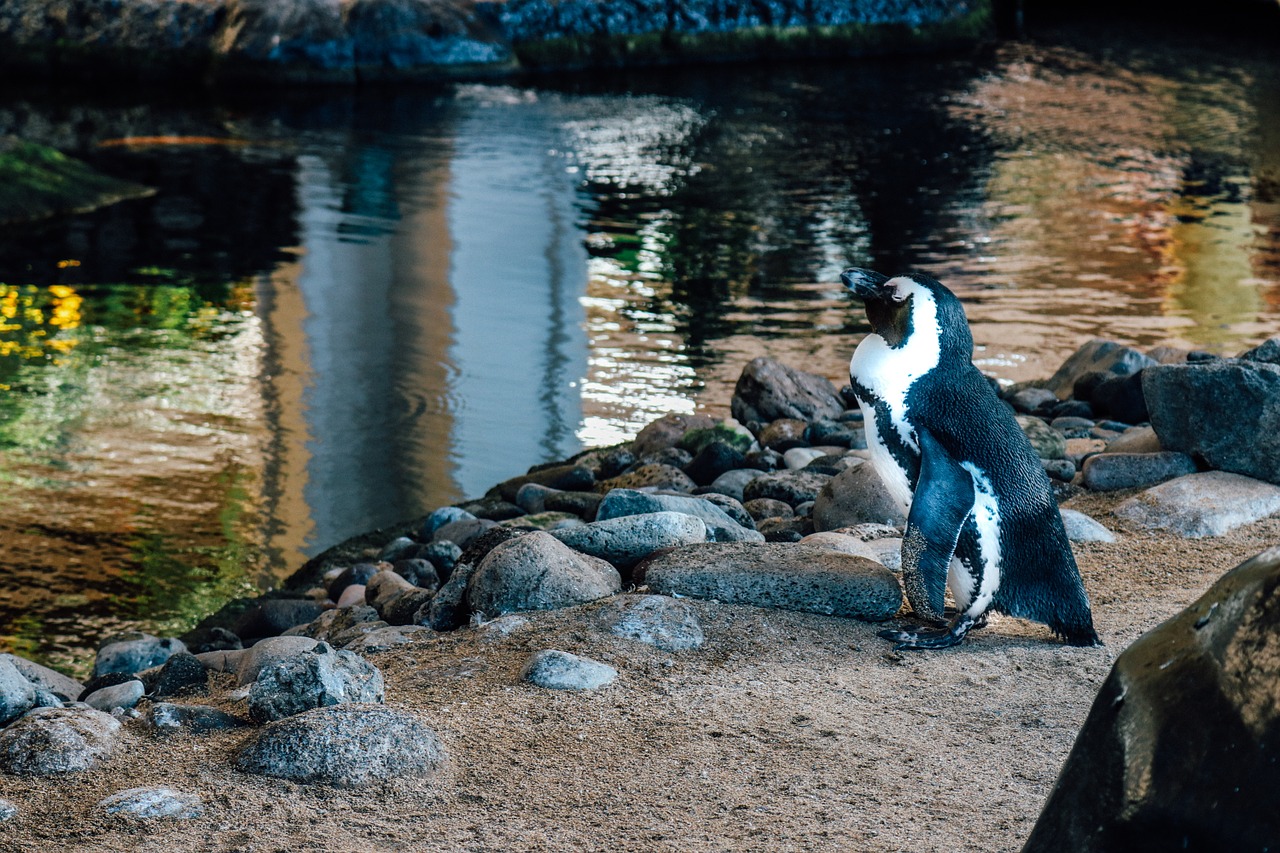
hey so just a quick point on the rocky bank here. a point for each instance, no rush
(669, 644)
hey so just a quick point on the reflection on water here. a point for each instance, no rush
(340, 311)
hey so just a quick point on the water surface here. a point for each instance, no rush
(341, 310)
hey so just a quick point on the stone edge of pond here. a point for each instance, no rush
(235, 42)
(37, 182)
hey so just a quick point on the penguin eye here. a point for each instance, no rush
(895, 293)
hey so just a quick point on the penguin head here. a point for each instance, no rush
(911, 305)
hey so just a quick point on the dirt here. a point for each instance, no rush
(785, 731)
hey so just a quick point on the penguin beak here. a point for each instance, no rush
(865, 284)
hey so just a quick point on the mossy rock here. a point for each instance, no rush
(37, 182)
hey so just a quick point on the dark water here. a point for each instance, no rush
(342, 310)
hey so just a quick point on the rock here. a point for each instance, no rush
(1135, 440)
(341, 626)
(60, 685)
(313, 679)
(17, 694)
(667, 431)
(1227, 413)
(886, 552)
(798, 457)
(1072, 427)
(792, 577)
(762, 508)
(732, 483)
(1072, 409)
(720, 526)
(1210, 503)
(626, 540)
(381, 639)
(538, 572)
(765, 460)
(448, 609)
(544, 521)
(101, 681)
(1063, 470)
(784, 434)
(400, 548)
(462, 533)
(218, 639)
(422, 573)
(1082, 528)
(167, 717)
(652, 476)
(1047, 442)
(357, 575)
(767, 390)
(439, 518)
(666, 623)
(274, 616)
(130, 656)
(671, 457)
(153, 803)
(786, 529)
(344, 745)
(395, 599)
(568, 477)
(838, 433)
(731, 507)
(728, 431)
(124, 695)
(1027, 401)
(714, 460)
(352, 596)
(606, 462)
(1179, 750)
(857, 496)
(246, 664)
(443, 556)
(1268, 351)
(790, 487)
(1121, 397)
(1096, 356)
(48, 741)
(558, 670)
(493, 508)
(8, 811)
(1110, 471)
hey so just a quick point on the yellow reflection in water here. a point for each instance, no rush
(31, 318)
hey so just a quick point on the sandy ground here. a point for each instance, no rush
(786, 731)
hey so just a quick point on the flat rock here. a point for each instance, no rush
(658, 620)
(557, 670)
(344, 745)
(768, 389)
(1135, 440)
(167, 717)
(651, 476)
(626, 540)
(60, 685)
(17, 694)
(668, 431)
(1225, 412)
(732, 483)
(124, 695)
(1110, 471)
(856, 496)
(790, 487)
(791, 577)
(1084, 528)
(720, 526)
(1097, 355)
(130, 656)
(1210, 503)
(153, 804)
(315, 678)
(1179, 750)
(49, 741)
(538, 572)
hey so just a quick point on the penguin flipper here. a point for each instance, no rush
(942, 502)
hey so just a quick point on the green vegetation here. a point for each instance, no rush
(37, 181)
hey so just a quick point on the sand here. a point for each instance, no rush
(785, 731)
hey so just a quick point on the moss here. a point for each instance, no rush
(37, 182)
(754, 42)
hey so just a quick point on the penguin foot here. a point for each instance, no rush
(952, 635)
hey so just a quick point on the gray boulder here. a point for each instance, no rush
(856, 496)
(60, 685)
(1210, 503)
(1268, 351)
(768, 390)
(558, 670)
(626, 540)
(17, 694)
(1181, 746)
(1096, 356)
(124, 695)
(1107, 472)
(790, 487)
(247, 663)
(344, 745)
(1225, 412)
(658, 620)
(49, 741)
(315, 678)
(166, 717)
(538, 572)
(732, 483)
(130, 656)
(153, 804)
(720, 526)
(791, 577)
(1083, 528)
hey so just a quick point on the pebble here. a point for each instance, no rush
(557, 670)
(153, 804)
(1072, 427)
(274, 616)
(714, 460)
(352, 595)
(442, 555)
(400, 548)
(784, 434)
(357, 575)
(762, 508)
(1047, 442)
(1029, 400)
(728, 431)
(1135, 440)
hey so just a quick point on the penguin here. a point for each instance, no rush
(981, 517)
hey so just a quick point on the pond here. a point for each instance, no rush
(344, 309)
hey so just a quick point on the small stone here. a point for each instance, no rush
(667, 431)
(785, 529)
(1063, 470)
(784, 434)
(124, 695)
(448, 609)
(493, 508)
(798, 457)
(791, 487)
(48, 741)
(8, 811)
(60, 685)
(762, 508)
(153, 804)
(274, 616)
(1072, 409)
(558, 670)
(1082, 528)
(714, 460)
(658, 620)
(1210, 503)
(182, 673)
(1135, 440)
(399, 548)
(728, 432)
(439, 518)
(566, 477)
(132, 656)
(1096, 355)
(548, 520)
(344, 745)
(1047, 442)
(381, 639)
(732, 483)
(313, 679)
(247, 663)
(196, 719)
(826, 433)
(767, 390)
(1029, 400)
(1121, 397)
(1111, 471)
(421, 573)
(443, 555)
(352, 596)
(357, 575)
(1072, 427)
(538, 572)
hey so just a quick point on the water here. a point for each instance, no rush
(343, 310)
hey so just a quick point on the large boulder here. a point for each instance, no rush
(1097, 356)
(856, 496)
(768, 390)
(770, 574)
(538, 572)
(720, 525)
(1181, 748)
(1225, 412)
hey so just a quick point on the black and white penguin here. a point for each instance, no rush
(981, 517)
